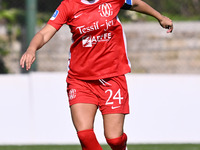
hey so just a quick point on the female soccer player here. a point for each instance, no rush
(97, 64)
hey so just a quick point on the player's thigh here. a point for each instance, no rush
(83, 115)
(113, 125)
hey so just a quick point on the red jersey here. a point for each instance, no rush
(99, 46)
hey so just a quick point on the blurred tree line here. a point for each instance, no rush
(43, 5)
(187, 8)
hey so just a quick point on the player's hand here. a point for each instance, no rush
(166, 23)
(27, 59)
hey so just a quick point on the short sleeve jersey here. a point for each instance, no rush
(99, 47)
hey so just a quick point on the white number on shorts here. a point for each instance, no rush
(111, 93)
(117, 96)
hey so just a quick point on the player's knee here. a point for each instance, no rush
(118, 143)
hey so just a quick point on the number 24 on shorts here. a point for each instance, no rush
(117, 96)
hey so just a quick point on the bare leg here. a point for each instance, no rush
(83, 118)
(113, 125)
(113, 130)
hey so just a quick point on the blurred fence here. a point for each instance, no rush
(150, 49)
(164, 109)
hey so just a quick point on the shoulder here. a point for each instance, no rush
(66, 7)
(119, 3)
(65, 3)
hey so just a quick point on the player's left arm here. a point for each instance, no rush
(142, 7)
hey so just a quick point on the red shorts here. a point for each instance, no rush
(110, 95)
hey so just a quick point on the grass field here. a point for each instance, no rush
(105, 147)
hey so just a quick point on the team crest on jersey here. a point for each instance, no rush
(54, 15)
(105, 10)
(72, 94)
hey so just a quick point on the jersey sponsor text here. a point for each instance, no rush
(88, 41)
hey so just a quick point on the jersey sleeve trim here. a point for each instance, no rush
(127, 5)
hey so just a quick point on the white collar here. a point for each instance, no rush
(89, 2)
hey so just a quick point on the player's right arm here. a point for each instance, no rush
(40, 39)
